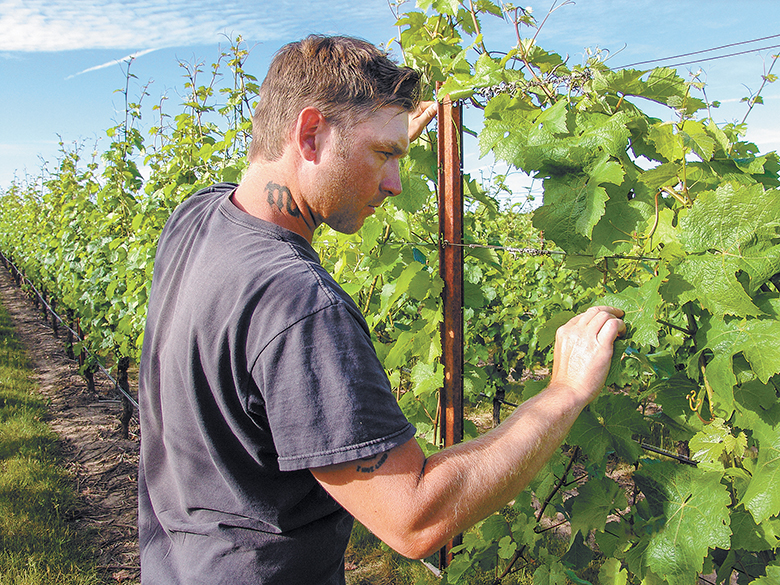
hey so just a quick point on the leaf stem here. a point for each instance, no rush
(518, 554)
(753, 100)
(559, 484)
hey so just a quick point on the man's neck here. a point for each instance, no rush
(266, 192)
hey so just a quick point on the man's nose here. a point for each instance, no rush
(391, 183)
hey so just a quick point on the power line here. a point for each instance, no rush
(724, 56)
(705, 51)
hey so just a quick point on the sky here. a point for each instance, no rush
(61, 61)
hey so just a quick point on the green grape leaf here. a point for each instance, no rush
(579, 555)
(523, 527)
(603, 133)
(772, 576)
(392, 291)
(731, 230)
(667, 143)
(731, 218)
(662, 175)
(757, 397)
(415, 192)
(573, 204)
(534, 147)
(672, 395)
(611, 573)
(552, 574)
(762, 498)
(615, 538)
(718, 135)
(608, 424)
(554, 117)
(639, 304)
(595, 500)
(444, 6)
(622, 217)
(506, 547)
(761, 262)
(696, 138)
(713, 441)
(747, 535)
(458, 567)
(664, 83)
(494, 528)
(757, 339)
(714, 283)
(661, 84)
(607, 171)
(487, 72)
(427, 378)
(694, 507)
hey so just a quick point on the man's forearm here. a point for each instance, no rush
(416, 504)
(467, 482)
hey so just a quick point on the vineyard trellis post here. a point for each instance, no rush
(450, 193)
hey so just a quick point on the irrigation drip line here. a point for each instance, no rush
(116, 384)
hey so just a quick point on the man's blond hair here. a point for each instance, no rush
(343, 77)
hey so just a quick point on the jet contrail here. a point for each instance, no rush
(114, 62)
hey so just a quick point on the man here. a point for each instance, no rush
(267, 421)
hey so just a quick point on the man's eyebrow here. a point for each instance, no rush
(393, 147)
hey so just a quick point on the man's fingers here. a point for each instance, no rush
(613, 311)
(597, 315)
(605, 323)
(420, 118)
(611, 329)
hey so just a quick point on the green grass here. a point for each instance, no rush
(377, 564)
(37, 546)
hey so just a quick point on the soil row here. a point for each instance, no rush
(102, 464)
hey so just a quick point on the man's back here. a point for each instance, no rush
(252, 362)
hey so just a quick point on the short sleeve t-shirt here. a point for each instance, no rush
(256, 366)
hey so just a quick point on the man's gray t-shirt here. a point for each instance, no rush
(256, 366)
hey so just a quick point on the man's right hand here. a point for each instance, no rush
(583, 350)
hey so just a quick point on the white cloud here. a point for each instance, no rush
(59, 25)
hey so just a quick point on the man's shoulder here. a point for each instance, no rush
(293, 274)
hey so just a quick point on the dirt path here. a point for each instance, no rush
(103, 464)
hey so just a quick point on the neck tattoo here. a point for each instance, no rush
(280, 196)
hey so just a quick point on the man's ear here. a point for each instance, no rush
(309, 133)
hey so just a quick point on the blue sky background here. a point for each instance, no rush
(59, 58)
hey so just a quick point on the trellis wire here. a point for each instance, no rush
(540, 252)
(528, 251)
(645, 446)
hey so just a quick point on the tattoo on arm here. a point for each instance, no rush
(280, 196)
(374, 467)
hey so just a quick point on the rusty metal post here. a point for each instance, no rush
(450, 139)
